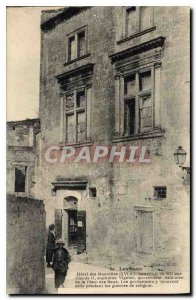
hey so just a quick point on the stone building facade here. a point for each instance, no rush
(116, 76)
(21, 154)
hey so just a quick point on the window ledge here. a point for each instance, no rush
(76, 59)
(22, 194)
(140, 94)
(148, 135)
(21, 148)
(135, 35)
(78, 145)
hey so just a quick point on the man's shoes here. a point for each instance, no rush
(48, 265)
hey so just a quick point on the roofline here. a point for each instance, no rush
(23, 121)
(66, 14)
(51, 10)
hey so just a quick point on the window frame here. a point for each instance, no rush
(138, 20)
(151, 19)
(128, 11)
(75, 35)
(74, 112)
(27, 177)
(91, 192)
(127, 129)
(160, 187)
(137, 96)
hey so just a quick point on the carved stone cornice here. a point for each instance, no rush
(80, 75)
(70, 184)
(157, 65)
(155, 43)
(117, 77)
(75, 72)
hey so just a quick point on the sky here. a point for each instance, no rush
(23, 62)
(23, 57)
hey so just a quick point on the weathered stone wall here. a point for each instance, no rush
(21, 150)
(54, 45)
(22, 133)
(25, 245)
(120, 187)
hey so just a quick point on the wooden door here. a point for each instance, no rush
(72, 229)
(58, 223)
(144, 231)
(81, 231)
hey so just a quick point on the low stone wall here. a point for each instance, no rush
(25, 245)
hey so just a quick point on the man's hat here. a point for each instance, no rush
(51, 226)
(60, 241)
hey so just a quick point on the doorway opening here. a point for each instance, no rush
(143, 218)
(70, 224)
(77, 230)
(72, 228)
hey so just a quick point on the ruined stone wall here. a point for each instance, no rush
(21, 150)
(21, 133)
(25, 245)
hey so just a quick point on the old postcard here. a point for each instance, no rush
(98, 150)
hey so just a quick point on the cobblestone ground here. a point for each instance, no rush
(74, 267)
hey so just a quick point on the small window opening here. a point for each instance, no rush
(93, 192)
(20, 178)
(160, 192)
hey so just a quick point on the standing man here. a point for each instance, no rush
(61, 259)
(50, 244)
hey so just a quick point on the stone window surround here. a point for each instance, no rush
(138, 17)
(87, 108)
(119, 101)
(75, 34)
(28, 177)
(139, 94)
(66, 86)
(161, 192)
(147, 54)
(75, 110)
